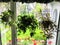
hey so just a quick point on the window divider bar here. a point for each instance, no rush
(13, 27)
(0, 38)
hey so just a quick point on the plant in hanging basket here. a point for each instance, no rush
(48, 26)
(6, 15)
(27, 21)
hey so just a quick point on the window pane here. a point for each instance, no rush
(5, 28)
(29, 9)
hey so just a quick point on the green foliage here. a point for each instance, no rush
(38, 8)
(24, 35)
(8, 35)
(48, 26)
(39, 34)
(6, 16)
(26, 20)
(28, 27)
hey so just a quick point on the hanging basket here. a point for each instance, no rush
(26, 21)
(6, 16)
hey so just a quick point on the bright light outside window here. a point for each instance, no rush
(34, 22)
(5, 28)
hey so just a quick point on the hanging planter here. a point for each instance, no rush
(48, 25)
(27, 21)
(6, 16)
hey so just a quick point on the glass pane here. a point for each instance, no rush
(24, 38)
(38, 10)
(5, 28)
